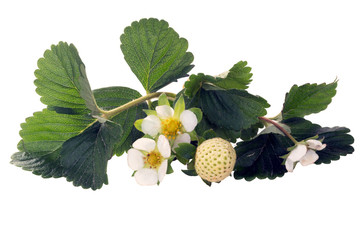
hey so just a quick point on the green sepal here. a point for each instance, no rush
(179, 107)
(191, 173)
(163, 100)
(138, 123)
(150, 112)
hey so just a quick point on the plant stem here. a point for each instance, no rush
(113, 112)
(280, 128)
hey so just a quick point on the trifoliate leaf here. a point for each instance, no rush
(307, 99)
(231, 109)
(261, 157)
(61, 81)
(155, 53)
(238, 77)
(84, 157)
(45, 134)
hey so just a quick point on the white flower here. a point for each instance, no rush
(304, 153)
(149, 159)
(174, 124)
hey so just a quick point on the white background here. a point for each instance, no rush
(285, 42)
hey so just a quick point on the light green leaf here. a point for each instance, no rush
(46, 131)
(155, 53)
(238, 77)
(61, 81)
(307, 99)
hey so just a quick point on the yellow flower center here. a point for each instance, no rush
(170, 128)
(153, 159)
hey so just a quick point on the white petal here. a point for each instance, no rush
(297, 153)
(289, 165)
(163, 146)
(315, 144)
(144, 144)
(164, 111)
(146, 176)
(181, 138)
(135, 159)
(162, 170)
(151, 125)
(188, 120)
(309, 158)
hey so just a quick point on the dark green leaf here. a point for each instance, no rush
(337, 139)
(155, 53)
(337, 142)
(308, 99)
(46, 166)
(61, 80)
(231, 109)
(85, 156)
(261, 157)
(191, 173)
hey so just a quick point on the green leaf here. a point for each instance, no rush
(337, 139)
(61, 81)
(195, 82)
(185, 152)
(85, 156)
(261, 157)
(337, 142)
(46, 131)
(238, 77)
(155, 53)
(46, 166)
(44, 136)
(112, 97)
(308, 99)
(231, 109)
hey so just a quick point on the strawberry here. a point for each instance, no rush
(214, 159)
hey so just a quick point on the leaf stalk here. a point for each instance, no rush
(113, 112)
(280, 128)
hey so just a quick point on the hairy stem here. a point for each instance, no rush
(280, 128)
(113, 112)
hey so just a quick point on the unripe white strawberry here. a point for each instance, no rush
(215, 159)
